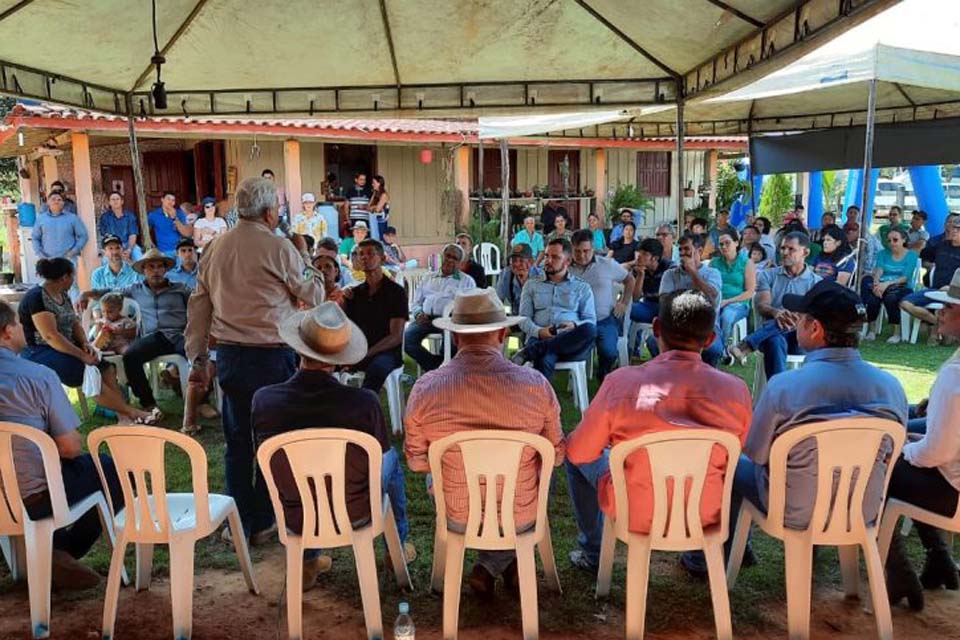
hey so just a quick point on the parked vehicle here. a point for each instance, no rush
(952, 191)
(887, 195)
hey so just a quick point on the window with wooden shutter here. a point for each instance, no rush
(653, 173)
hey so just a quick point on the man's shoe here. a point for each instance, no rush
(69, 574)
(902, 582)
(580, 560)
(313, 568)
(482, 581)
(511, 578)
(520, 357)
(207, 412)
(739, 352)
(871, 336)
(894, 339)
(939, 570)
(263, 536)
(409, 551)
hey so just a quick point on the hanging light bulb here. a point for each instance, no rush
(20, 138)
(158, 91)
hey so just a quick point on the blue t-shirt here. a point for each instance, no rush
(827, 269)
(892, 269)
(164, 230)
(122, 227)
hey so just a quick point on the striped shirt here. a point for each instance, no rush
(480, 389)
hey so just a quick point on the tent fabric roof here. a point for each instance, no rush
(232, 57)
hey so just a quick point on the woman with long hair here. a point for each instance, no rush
(208, 227)
(836, 262)
(379, 204)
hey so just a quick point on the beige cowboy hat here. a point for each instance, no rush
(153, 255)
(952, 294)
(325, 334)
(476, 311)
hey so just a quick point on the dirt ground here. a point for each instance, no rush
(223, 609)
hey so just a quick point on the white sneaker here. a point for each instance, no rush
(871, 336)
(894, 339)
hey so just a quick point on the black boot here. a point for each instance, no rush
(939, 569)
(902, 581)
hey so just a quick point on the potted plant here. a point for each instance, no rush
(629, 196)
(689, 192)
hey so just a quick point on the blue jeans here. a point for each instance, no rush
(644, 311)
(67, 368)
(569, 346)
(711, 355)
(413, 338)
(730, 315)
(919, 298)
(608, 331)
(377, 368)
(775, 344)
(916, 424)
(241, 371)
(583, 480)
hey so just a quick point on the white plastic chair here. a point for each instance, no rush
(395, 400)
(441, 340)
(740, 331)
(578, 376)
(317, 456)
(29, 543)
(152, 516)
(491, 457)
(844, 447)
(794, 361)
(489, 258)
(676, 459)
(639, 332)
(911, 325)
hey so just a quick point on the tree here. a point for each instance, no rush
(9, 180)
(729, 185)
(776, 198)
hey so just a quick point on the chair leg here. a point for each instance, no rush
(38, 537)
(907, 527)
(243, 552)
(395, 403)
(713, 551)
(294, 588)
(15, 555)
(738, 546)
(799, 569)
(850, 569)
(144, 565)
(113, 587)
(527, 574)
(452, 578)
(369, 588)
(887, 526)
(106, 524)
(439, 557)
(545, 548)
(608, 547)
(84, 407)
(638, 576)
(878, 586)
(397, 555)
(181, 584)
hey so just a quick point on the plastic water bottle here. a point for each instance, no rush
(403, 628)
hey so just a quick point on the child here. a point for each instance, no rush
(391, 250)
(113, 330)
(759, 255)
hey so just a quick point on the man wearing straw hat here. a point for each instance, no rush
(314, 398)
(480, 389)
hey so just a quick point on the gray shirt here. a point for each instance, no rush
(778, 282)
(676, 279)
(165, 311)
(31, 395)
(600, 273)
(831, 384)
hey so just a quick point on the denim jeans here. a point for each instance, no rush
(775, 344)
(711, 355)
(377, 368)
(413, 338)
(644, 311)
(608, 332)
(569, 346)
(68, 368)
(583, 480)
(241, 371)
(916, 424)
(730, 315)
(919, 298)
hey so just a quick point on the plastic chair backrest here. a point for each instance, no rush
(617, 294)
(844, 448)
(489, 256)
(680, 458)
(317, 456)
(490, 455)
(12, 513)
(139, 454)
(130, 309)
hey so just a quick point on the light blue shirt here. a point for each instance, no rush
(509, 288)
(438, 290)
(189, 278)
(675, 279)
(55, 235)
(104, 278)
(536, 242)
(544, 303)
(893, 269)
(31, 395)
(778, 282)
(832, 383)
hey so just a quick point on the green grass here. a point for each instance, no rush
(677, 603)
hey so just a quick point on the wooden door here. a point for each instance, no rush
(119, 178)
(492, 167)
(345, 160)
(565, 163)
(168, 171)
(209, 169)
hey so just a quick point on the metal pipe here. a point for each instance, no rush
(137, 163)
(680, 177)
(505, 194)
(480, 185)
(867, 167)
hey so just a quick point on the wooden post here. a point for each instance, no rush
(83, 177)
(505, 195)
(291, 170)
(461, 182)
(50, 172)
(137, 162)
(711, 160)
(29, 191)
(681, 184)
(600, 186)
(12, 225)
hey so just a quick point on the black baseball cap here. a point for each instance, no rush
(110, 238)
(834, 306)
(522, 250)
(186, 242)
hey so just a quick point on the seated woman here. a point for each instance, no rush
(624, 250)
(739, 277)
(56, 339)
(329, 269)
(892, 275)
(836, 262)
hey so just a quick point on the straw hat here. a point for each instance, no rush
(153, 255)
(325, 334)
(952, 294)
(476, 311)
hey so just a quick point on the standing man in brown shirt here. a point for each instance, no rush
(250, 281)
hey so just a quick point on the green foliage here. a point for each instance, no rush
(488, 231)
(9, 181)
(834, 183)
(776, 199)
(729, 186)
(627, 195)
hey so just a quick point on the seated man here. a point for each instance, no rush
(559, 316)
(31, 395)
(116, 273)
(674, 390)
(502, 396)
(834, 382)
(648, 273)
(945, 258)
(468, 265)
(436, 291)
(512, 279)
(379, 307)
(187, 267)
(777, 337)
(928, 473)
(163, 318)
(313, 398)
(601, 273)
(917, 235)
(530, 236)
(691, 273)
(894, 221)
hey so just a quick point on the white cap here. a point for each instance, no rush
(308, 197)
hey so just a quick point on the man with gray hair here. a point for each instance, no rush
(250, 281)
(435, 293)
(667, 237)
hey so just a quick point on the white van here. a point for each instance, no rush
(952, 191)
(887, 195)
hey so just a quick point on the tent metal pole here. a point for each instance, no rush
(505, 194)
(137, 162)
(867, 168)
(680, 177)
(480, 186)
